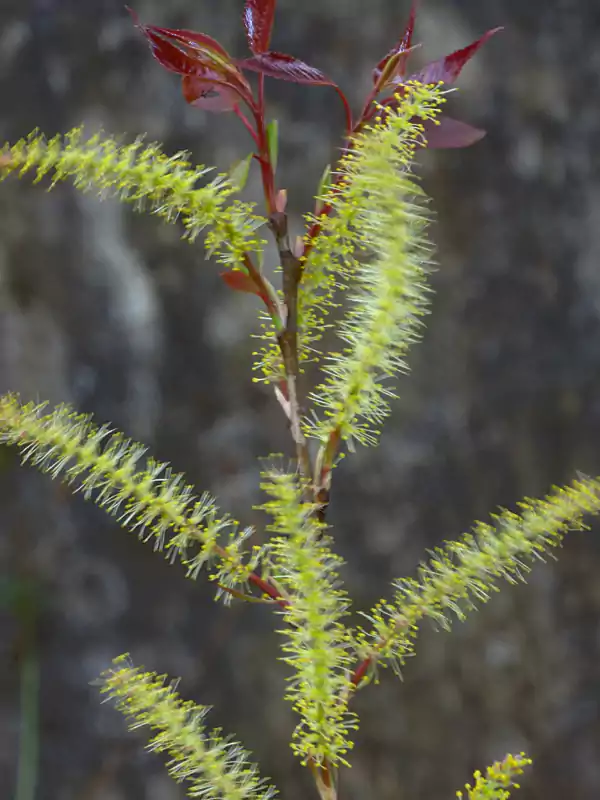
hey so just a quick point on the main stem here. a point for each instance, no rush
(318, 485)
(288, 337)
(287, 333)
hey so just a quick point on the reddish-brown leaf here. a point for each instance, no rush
(448, 69)
(193, 40)
(285, 68)
(394, 62)
(240, 282)
(188, 53)
(405, 43)
(446, 133)
(450, 133)
(209, 93)
(213, 79)
(258, 21)
(172, 57)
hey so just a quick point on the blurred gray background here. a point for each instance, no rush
(113, 313)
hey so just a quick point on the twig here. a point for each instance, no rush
(371, 658)
(247, 598)
(323, 471)
(266, 292)
(267, 588)
(323, 776)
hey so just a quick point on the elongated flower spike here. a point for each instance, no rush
(498, 780)
(374, 242)
(208, 763)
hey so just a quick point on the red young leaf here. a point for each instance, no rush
(172, 57)
(187, 52)
(405, 43)
(394, 62)
(258, 21)
(450, 133)
(212, 77)
(241, 282)
(286, 68)
(446, 133)
(209, 93)
(192, 40)
(448, 69)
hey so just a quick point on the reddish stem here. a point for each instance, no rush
(265, 291)
(261, 93)
(247, 124)
(263, 155)
(268, 589)
(360, 671)
(347, 110)
(265, 586)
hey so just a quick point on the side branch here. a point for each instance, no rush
(265, 291)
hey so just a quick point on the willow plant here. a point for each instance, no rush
(366, 255)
